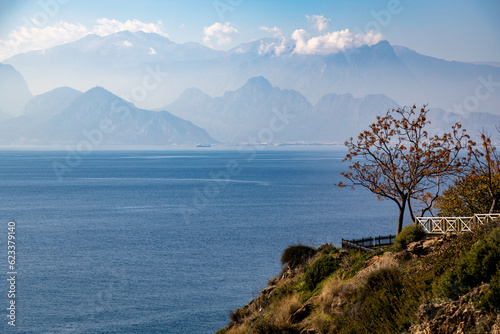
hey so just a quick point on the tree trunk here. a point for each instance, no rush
(412, 216)
(402, 208)
(493, 204)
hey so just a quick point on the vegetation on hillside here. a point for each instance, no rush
(423, 284)
(451, 281)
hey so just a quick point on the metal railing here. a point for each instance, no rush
(441, 225)
(365, 244)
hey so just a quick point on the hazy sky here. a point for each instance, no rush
(464, 30)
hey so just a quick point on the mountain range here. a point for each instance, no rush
(256, 113)
(122, 61)
(65, 116)
(211, 96)
(269, 114)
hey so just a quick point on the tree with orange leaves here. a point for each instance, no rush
(478, 190)
(397, 159)
(486, 165)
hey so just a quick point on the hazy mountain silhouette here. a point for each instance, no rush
(65, 116)
(121, 62)
(14, 92)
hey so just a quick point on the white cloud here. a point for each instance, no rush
(127, 44)
(319, 22)
(277, 48)
(275, 31)
(106, 27)
(152, 51)
(219, 33)
(24, 39)
(333, 42)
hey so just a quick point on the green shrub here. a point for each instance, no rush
(448, 285)
(408, 235)
(296, 255)
(383, 304)
(490, 301)
(479, 265)
(321, 269)
(482, 261)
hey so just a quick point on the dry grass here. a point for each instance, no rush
(239, 329)
(335, 296)
(376, 263)
(283, 310)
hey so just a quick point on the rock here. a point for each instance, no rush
(414, 247)
(268, 290)
(422, 247)
(304, 311)
(404, 256)
(427, 312)
(428, 244)
(309, 331)
(496, 327)
(450, 317)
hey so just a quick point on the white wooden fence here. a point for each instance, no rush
(441, 225)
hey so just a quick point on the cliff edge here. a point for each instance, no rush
(423, 284)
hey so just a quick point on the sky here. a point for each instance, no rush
(462, 30)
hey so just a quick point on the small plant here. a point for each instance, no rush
(409, 234)
(296, 255)
(321, 269)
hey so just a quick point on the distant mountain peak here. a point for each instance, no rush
(51, 103)
(258, 82)
(99, 91)
(193, 93)
(382, 51)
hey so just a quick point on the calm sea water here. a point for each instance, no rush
(165, 241)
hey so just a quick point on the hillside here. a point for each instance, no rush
(436, 284)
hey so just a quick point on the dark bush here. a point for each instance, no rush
(408, 235)
(321, 269)
(479, 265)
(491, 299)
(296, 255)
(481, 262)
(239, 315)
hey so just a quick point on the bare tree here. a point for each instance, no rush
(398, 160)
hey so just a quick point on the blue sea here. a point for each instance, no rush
(165, 241)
